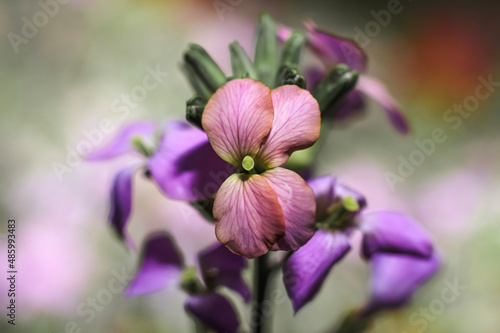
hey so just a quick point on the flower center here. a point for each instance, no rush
(248, 163)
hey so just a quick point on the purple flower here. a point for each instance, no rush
(333, 50)
(262, 206)
(162, 266)
(393, 243)
(183, 165)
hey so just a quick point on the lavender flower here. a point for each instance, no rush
(162, 266)
(398, 250)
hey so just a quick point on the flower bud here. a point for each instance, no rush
(266, 50)
(334, 87)
(204, 67)
(194, 110)
(241, 64)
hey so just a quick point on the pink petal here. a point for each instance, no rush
(296, 125)
(297, 202)
(248, 216)
(378, 91)
(237, 119)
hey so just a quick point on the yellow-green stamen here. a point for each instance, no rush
(350, 203)
(248, 163)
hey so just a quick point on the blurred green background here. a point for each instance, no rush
(65, 76)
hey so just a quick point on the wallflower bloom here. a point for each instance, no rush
(333, 50)
(162, 266)
(400, 253)
(262, 206)
(182, 164)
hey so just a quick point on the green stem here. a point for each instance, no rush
(261, 277)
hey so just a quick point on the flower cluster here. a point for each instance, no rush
(234, 163)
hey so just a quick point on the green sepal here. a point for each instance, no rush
(194, 110)
(266, 50)
(204, 67)
(334, 87)
(241, 64)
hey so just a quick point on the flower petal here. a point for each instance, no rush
(395, 277)
(248, 216)
(185, 166)
(333, 50)
(121, 203)
(296, 125)
(214, 311)
(394, 233)
(378, 91)
(298, 205)
(219, 266)
(314, 75)
(237, 118)
(352, 106)
(327, 190)
(161, 266)
(306, 269)
(121, 143)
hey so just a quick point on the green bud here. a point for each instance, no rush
(334, 87)
(248, 163)
(189, 274)
(293, 48)
(289, 75)
(196, 83)
(142, 147)
(194, 110)
(266, 50)
(240, 62)
(350, 203)
(204, 67)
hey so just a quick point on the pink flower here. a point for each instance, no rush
(262, 206)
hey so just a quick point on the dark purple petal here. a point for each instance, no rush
(395, 277)
(333, 50)
(313, 76)
(121, 143)
(219, 266)
(394, 233)
(352, 106)
(185, 166)
(378, 91)
(324, 192)
(214, 311)
(306, 269)
(342, 191)
(160, 266)
(121, 202)
(327, 190)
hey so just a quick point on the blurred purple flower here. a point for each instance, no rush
(390, 241)
(162, 266)
(183, 165)
(333, 50)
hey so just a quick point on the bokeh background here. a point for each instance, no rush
(66, 77)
